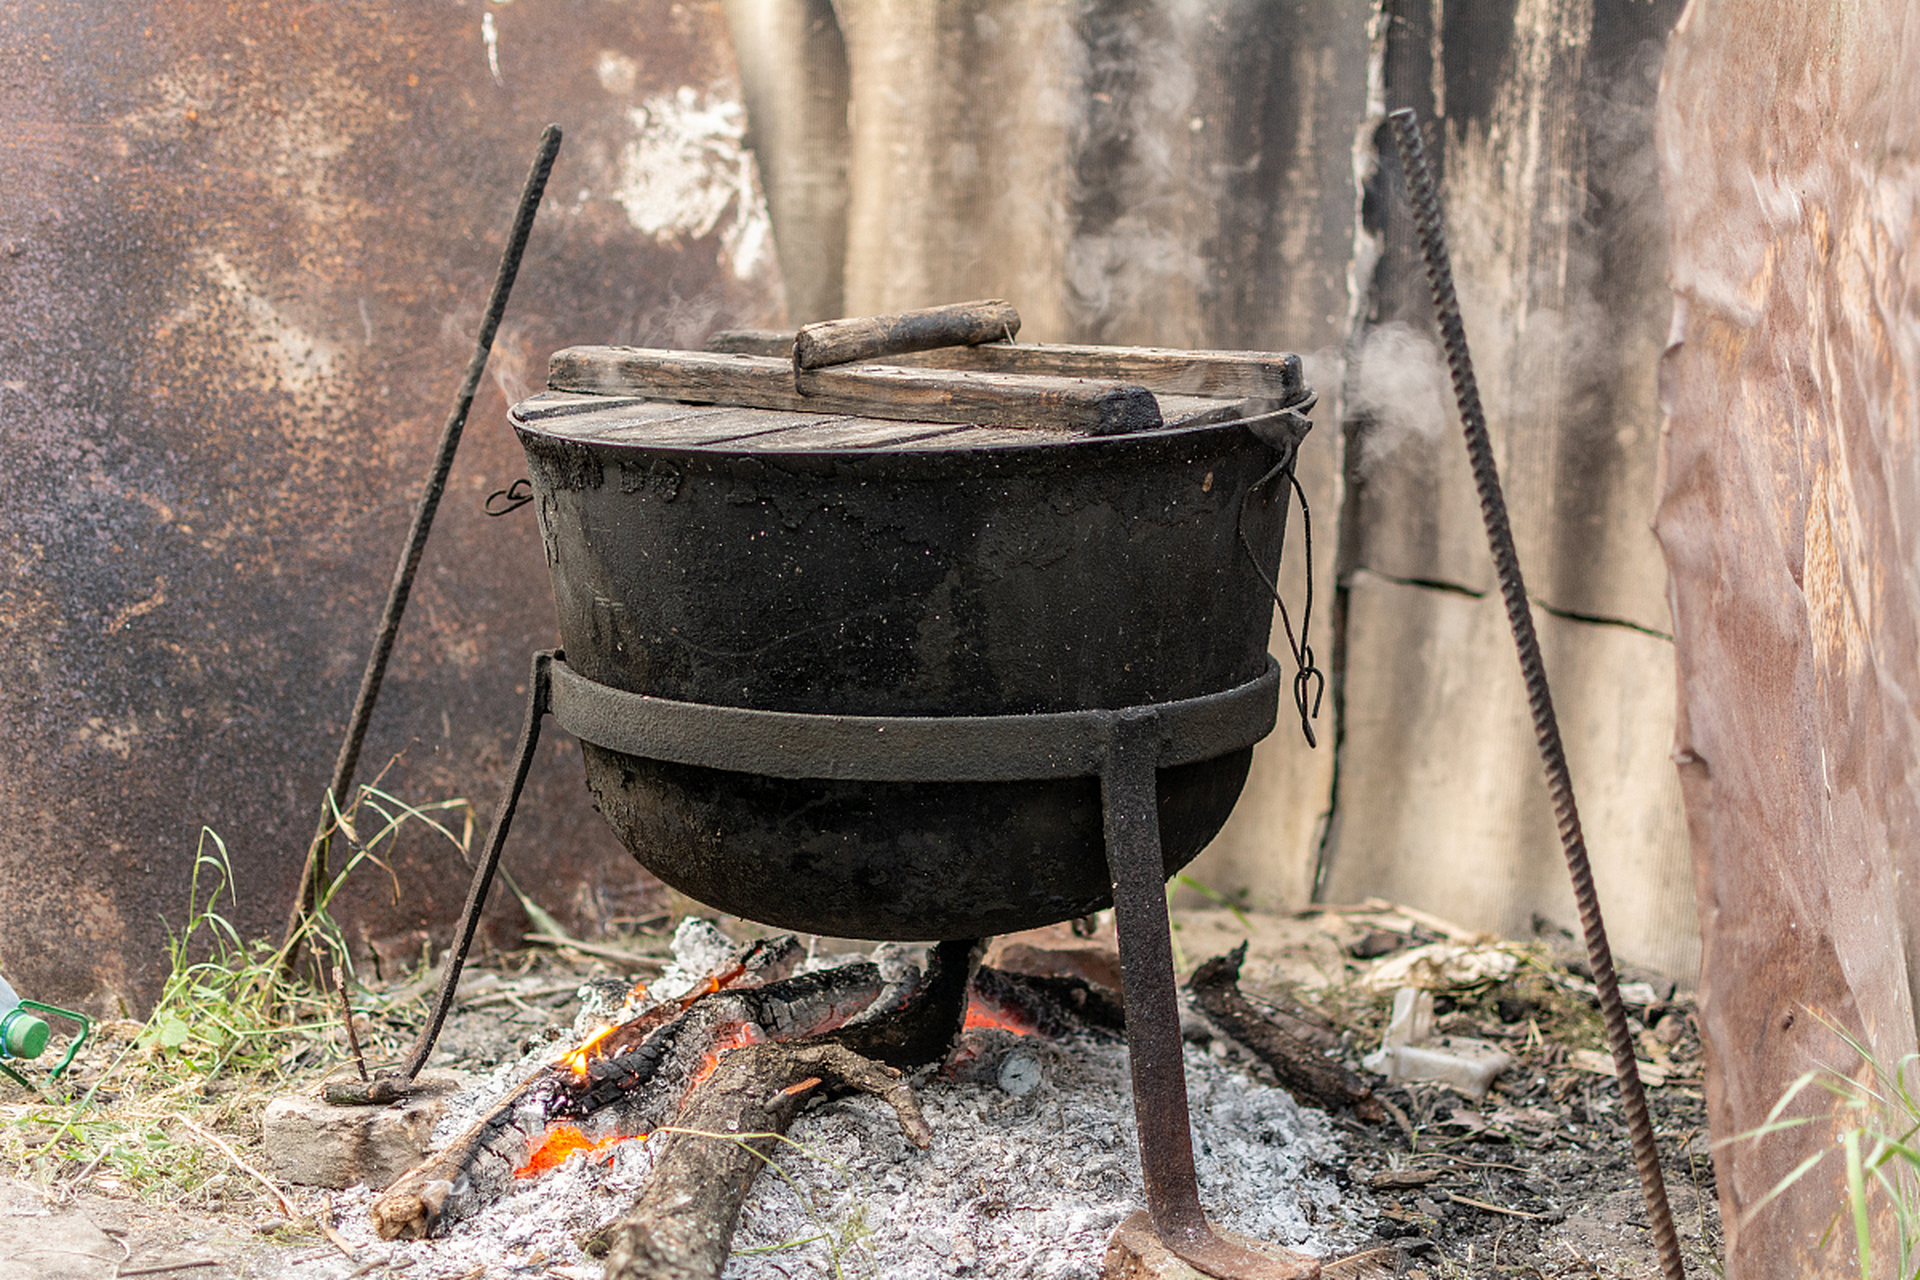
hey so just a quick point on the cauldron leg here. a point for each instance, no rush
(539, 700)
(538, 703)
(1130, 794)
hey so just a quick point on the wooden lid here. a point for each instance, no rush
(961, 397)
(636, 420)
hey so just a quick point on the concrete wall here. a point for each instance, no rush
(1556, 229)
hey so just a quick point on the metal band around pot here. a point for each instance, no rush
(787, 744)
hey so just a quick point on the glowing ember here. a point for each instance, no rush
(795, 1089)
(979, 1014)
(742, 1034)
(719, 980)
(563, 1141)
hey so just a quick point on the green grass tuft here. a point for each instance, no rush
(1877, 1145)
(233, 1026)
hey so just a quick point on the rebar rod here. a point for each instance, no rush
(1506, 562)
(314, 871)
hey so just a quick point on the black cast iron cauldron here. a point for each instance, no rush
(816, 565)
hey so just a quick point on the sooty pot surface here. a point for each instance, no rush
(832, 565)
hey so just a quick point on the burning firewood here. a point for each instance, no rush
(1309, 1075)
(681, 1227)
(1055, 1007)
(626, 1079)
(666, 1049)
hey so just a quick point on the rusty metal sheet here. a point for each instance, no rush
(1791, 479)
(243, 250)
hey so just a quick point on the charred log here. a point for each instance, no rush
(681, 1227)
(631, 1077)
(1055, 1007)
(627, 1081)
(1303, 1070)
(922, 1019)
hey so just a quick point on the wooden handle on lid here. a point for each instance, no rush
(963, 324)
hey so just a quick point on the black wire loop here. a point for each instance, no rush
(1309, 681)
(506, 501)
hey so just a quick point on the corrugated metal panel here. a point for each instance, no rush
(242, 254)
(1787, 513)
(793, 75)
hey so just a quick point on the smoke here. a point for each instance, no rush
(1400, 391)
(1132, 266)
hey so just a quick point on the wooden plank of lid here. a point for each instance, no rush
(1235, 375)
(629, 420)
(1255, 375)
(1094, 407)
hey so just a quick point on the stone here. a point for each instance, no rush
(314, 1143)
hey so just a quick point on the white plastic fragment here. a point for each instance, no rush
(1410, 1050)
(1444, 966)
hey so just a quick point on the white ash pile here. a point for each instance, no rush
(1030, 1171)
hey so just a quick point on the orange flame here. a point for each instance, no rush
(562, 1141)
(718, 980)
(578, 1057)
(980, 1014)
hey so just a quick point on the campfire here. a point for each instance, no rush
(988, 1132)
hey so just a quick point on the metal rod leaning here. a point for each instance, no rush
(1506, 563)
(391, 1083)
(314, 871)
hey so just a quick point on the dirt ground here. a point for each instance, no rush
(1534, 1179)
